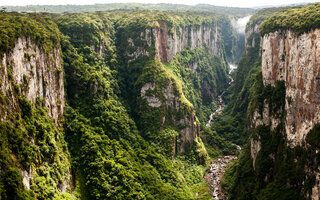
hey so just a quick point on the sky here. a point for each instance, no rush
(229, 3)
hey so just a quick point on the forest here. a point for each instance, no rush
(112, 101)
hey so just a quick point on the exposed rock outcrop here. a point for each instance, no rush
(29, 72)
(35, 74)
(252, 36)
(294, 59)
(171, 100)
(170, 41)
(168, 45)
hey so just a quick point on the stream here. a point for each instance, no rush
(215, 173)
(219, 165)
(220, 100)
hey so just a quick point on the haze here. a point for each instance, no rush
(229, 3)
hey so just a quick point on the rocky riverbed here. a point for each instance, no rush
(219, 165)
(215, 173)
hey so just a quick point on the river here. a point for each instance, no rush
(219, 165)
(221, 103)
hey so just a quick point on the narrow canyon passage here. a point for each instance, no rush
(218, 166)
(215, 173)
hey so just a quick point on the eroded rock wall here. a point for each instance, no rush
(35, 74)
(169, 44)
(162, 43)
(295, 60)
(168, 41)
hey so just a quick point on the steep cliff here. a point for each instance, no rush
(283, 150)
(32, 74)
(34, 158)
(153, 69)
(293, 59)
(120, 91)
(112, 157)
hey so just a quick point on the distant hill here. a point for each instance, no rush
(128, 6)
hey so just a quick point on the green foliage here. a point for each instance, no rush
(229, 128)
(188, 66)
(278, 191)
(92, 32)
(111, 159)
(38, 27)
(164, 141)
(218, 144)
(299, 20)
(32, 143)
(11, 186)
(279, 170)
(263, 15)
(313, 136)
(201, 150)
(234, 43)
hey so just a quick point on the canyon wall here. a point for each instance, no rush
(29, 71)
(168, 44)
(169, 41)
(294, 59)
(162, 43)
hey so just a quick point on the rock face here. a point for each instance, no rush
(252, 36)
(294, 59)
(171, 100)
(168, 45)
(170, 42)
(28, 70)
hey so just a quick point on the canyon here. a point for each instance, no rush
(149, 104)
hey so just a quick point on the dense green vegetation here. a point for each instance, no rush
(230, 127)
(263, 15)
(131, 6)
(111, 144)
(299, 20)
(102, 136)
(279, 170)
(204, 77)
(39, 28)
(31, 143)
(113, 155)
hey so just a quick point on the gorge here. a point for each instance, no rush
(159, 102)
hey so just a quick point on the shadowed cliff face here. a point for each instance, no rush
(170, 41)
